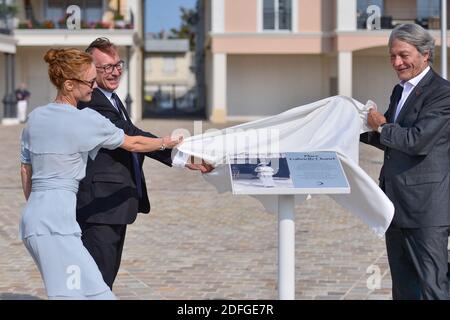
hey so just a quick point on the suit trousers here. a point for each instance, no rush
(105, 243)
(418, 260)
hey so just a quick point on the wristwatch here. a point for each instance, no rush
(163, 146)
(380, 127)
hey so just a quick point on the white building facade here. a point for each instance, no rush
(31, 39)
(267, 56)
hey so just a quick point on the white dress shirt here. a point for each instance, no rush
(108, 96)
(408, 87)
(180, 159)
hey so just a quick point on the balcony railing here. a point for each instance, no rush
(49, 24)
(389, 22)
(425, 13)
(92, 14)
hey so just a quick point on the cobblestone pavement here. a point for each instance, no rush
(197, 244)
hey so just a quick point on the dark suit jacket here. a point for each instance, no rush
(108, 193)
(415, 173)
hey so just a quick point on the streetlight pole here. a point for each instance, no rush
(444, 39)
(128, 100)
(9, 99)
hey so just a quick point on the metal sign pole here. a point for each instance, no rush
(444, 39)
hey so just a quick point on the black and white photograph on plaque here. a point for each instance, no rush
(288, 173)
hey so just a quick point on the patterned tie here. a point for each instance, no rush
(134, 156)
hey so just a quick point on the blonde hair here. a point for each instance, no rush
(65, 64)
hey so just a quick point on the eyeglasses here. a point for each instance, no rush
(90, 84)
(110, 67)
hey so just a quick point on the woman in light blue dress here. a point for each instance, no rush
(55, 146)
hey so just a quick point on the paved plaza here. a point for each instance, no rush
(198, 244)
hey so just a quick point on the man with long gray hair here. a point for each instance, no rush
(415, 136)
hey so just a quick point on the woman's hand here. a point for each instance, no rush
(171, 142)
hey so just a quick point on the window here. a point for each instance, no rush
(362, 15)
(91, 10)
(54, 10)
(428, 8)
(148, 65)
(364, 4)
(170, 65)
(277, 15)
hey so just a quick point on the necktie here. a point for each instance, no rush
(398, 90)
(134, 156)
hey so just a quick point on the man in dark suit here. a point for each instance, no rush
(415, 136)
(114, 190)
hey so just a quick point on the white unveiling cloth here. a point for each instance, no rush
(331, 124)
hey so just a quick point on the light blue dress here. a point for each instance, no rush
(57, 141)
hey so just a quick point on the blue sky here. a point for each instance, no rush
(164, 14)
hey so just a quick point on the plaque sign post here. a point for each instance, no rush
(284, 176)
